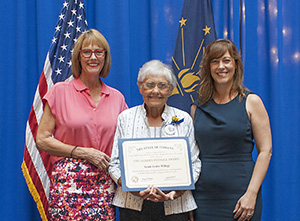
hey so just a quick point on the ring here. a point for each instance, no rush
(249, 214)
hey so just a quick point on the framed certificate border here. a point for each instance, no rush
(163, 162)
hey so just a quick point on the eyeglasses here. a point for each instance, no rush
(151, 85)
(87, 53)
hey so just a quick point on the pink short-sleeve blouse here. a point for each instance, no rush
(79, 121)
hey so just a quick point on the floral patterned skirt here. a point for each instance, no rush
(80, 191)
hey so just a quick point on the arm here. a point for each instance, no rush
(196, 163)
(114, 164)
(263, 140)
(193, 109)
(46, 142)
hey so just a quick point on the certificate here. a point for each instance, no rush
(162, 162)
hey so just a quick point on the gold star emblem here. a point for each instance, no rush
(182, 22)
(206, 29)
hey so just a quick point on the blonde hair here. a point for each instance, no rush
(214, 50)
(91, 36)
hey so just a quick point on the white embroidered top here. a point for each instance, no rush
(133, 123)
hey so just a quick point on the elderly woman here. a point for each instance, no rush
(77, 129)
(155, 81)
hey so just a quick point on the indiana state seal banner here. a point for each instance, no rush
(196, 30)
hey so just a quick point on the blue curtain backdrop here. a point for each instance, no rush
(140, 30)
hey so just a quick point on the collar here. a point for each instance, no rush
(166, 115)
(79, 86)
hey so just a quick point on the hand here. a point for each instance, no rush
(153, 194)
(143, 194)
(175, 194)
(191, 216)
(156, 195)
(97, 158)
(119, 182)
(244, 208)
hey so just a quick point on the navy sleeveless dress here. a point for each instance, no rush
(224, 135)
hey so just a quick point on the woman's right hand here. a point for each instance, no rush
(154, 194)
(143, 194)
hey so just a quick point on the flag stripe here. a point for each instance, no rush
(48, 72)
(43, 88)
(34, 179)
(37, 160)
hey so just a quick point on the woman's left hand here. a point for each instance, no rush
(244, 208)
(156, 195)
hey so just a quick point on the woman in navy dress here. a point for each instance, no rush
(229, 120)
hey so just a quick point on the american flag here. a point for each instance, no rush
(36, 164)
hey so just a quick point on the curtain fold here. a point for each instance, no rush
(138, 31)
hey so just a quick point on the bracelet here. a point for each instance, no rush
(73, 150)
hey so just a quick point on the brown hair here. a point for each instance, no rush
(214, 50)
(91, 36)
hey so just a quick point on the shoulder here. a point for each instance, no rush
(193, 110)
(180, 113)
(127, 116)
(115, 96)
(254, 105)
(60, 85)
(58, 88)
(128, 112)
(253, 99)
(113, 91)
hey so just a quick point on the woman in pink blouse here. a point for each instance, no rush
(77, 129)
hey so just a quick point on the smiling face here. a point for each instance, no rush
(92, 65)
(155, 97)
(222, 70)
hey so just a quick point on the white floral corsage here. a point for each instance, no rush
(170, 128)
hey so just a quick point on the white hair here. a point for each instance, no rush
(156, 68)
